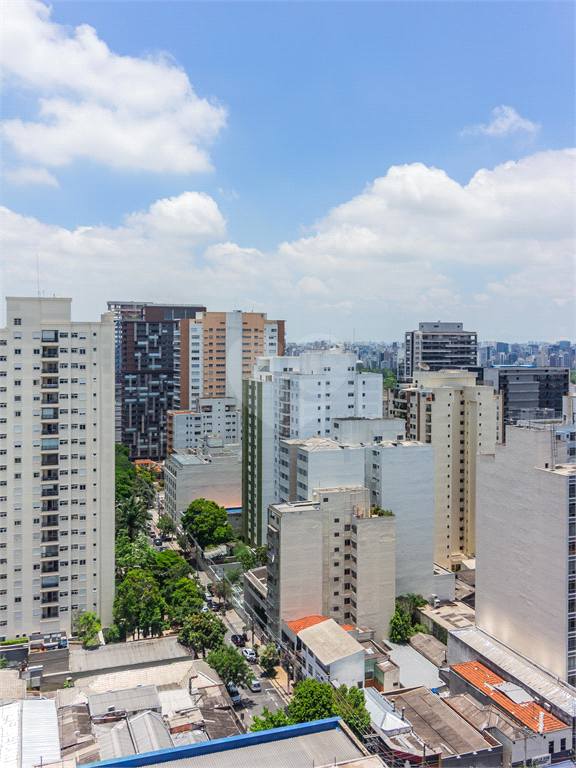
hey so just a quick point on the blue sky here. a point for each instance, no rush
(306, 105)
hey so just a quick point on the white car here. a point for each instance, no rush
(256, 687)
(249, 654)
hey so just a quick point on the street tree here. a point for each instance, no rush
(131, 517)
(133, 555)
(269, 659)
(125, 472)
(168, 569)
(351, 706)
(139, 606)
(311, 701)
(223, 590)
(230, 665)
(185, 601)
(208, 523)
(270, 720)
(202, 631)
(166, 525)
(87, 626)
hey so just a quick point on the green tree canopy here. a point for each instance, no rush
(410, 604)
(125, 472)
(269, 659)
(185, 601)
(207, 523)
(223, 590)
(139, 606)
(244, 556)
(400, 626)
(168, 569)
(351, 706)
(131, 517)
(311, 701)
(166, 525)
(270, 720)
(230, 665)
(133, 555)
(202, 631)
(87, 625)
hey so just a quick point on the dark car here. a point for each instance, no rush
(158, 542)
(238, 641)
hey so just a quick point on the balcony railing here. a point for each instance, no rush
(50, 399)
(50, 613)
(49, 459)
(49, 474)
(49, 536)
(49, 384)
(51, 567)
(50, 490)
(50, 551)
(50, 506)
(49, 368)
(49, 429)
(49, 353)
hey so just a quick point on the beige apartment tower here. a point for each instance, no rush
(460, 419)
(56, 467)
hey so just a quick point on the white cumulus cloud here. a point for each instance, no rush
(121, 111)
(505, 120)
(23, 176)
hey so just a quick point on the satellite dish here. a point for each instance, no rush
(423, 366)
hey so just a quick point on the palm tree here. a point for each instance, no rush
(132, 516)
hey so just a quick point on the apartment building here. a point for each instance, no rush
(460, 419)
(292, 397)
(56, 467)
(150, 377)
(527, 387)
(219, 349)
(526, 548)
(435, 346)
(211, 416)
(331, 557)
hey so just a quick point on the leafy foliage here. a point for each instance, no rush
(125, 473)
(400, 626)
(311, 701)
(410, 604)
(132, 555)
(269, 658)
(131, 517)
(185, 601)
(270, 720)
(166, 525)
(230, 665)
(87, 626)
(223, 590)
(261, 555)
(208, 523)
(113, 635)
(376, 510)
(202, 631)
(168, 569)
(351, 706)
(244, 556)
(139, 606)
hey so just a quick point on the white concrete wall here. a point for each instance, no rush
(367, 430)
(348, 670)
(376, 569)
(522, 549)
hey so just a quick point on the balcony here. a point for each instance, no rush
(50, 613)
(49, 552)
(49, 536)
(50, 521)
(50, 444)
(50, 490)
(49, 474)
(50, 506)
(49, 353)
(50, 567)
(49, 384)
(49, 413)
(48, 369)
(50, 460)
(48, 582)
(50, 399)
(49, 429)
(49, 598)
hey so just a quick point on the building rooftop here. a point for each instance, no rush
(141, 733)
(485, 716)
(176, 675)
(451, 615)
(124, 700)
(322, 742)
(430, 647)
(318, 443)
(510, 698)
(308, 621)
(117, 656)
(437, 724)
(11, 687)
(415, 669)
(329, 642)
(520, 669)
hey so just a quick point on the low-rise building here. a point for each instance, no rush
(214, 472)
(210, 416)
(324, 651)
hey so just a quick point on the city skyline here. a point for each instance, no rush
(410, 162)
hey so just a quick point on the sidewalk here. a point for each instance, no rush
(280, 683)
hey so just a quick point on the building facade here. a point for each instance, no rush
(435, 346)
(56, 467)
(292, 397)
(211, 416)
(527, 387)
(460, 419)
(526, 548)
(333, 558)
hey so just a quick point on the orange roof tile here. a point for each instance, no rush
(308, 621)
(527, 712)
(348, 627)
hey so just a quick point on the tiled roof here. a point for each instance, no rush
(348, 627)
(527, 712)
(308, 621)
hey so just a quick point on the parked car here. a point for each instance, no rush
(234, 693)
(256, 687)
(158, 542)
(249, 654)
(238, 641)
(215, 607)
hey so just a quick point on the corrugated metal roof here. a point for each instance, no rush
(126, 654)
(40, 738)
(149, 732)
(323, 748)
(545, 685)
(174, 675)
(125, 700)
(10, 735)
(114, 740)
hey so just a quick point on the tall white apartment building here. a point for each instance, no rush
(526, 548)
(56, 467)
(291, 397)
(460, 419)
(436, 346)
(211, 416)
(333, 558)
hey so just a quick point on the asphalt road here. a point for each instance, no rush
(252, 704)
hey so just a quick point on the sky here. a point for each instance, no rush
(354, 168)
